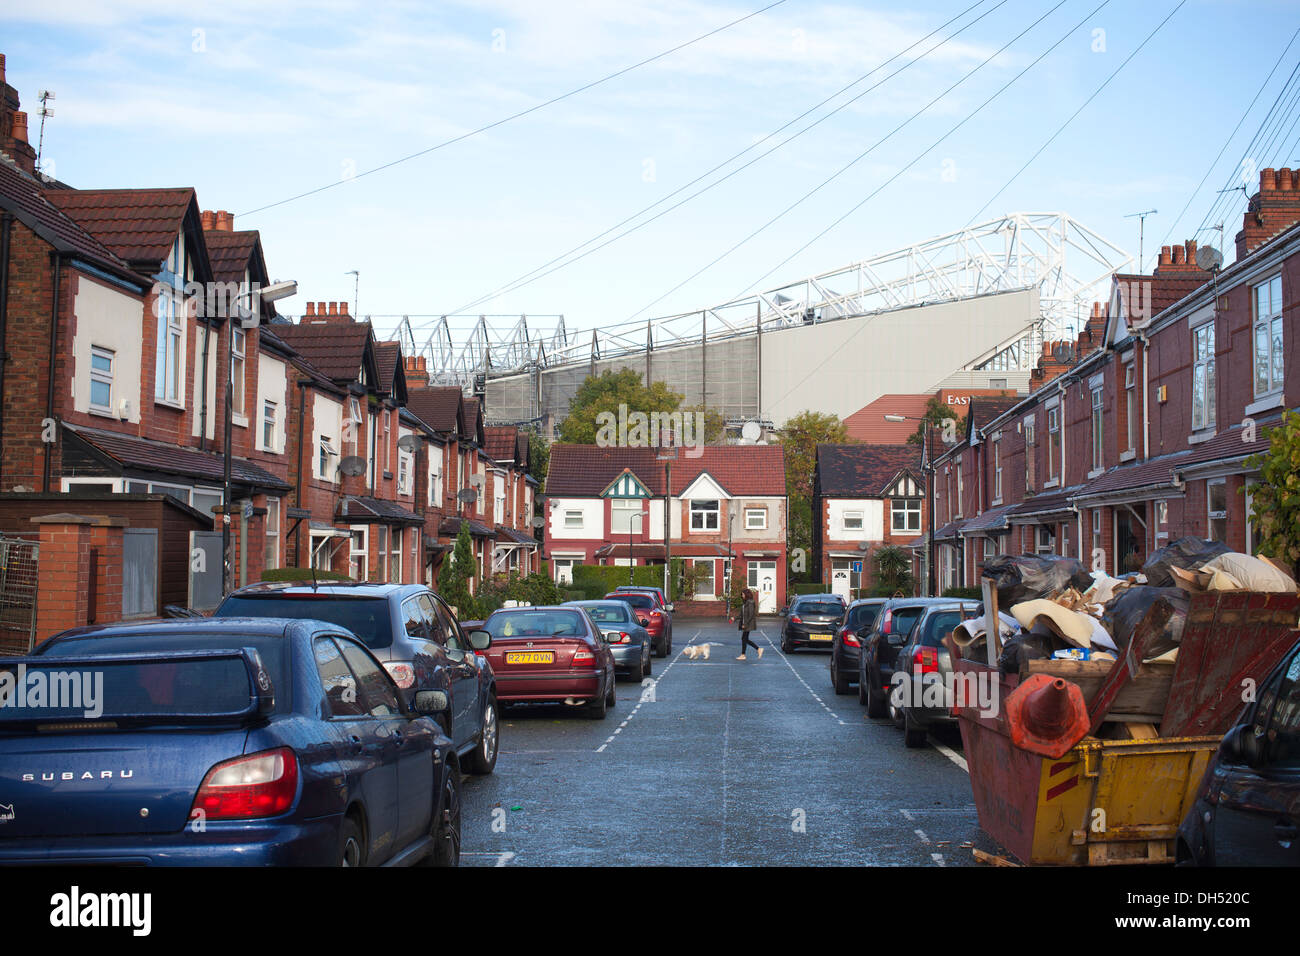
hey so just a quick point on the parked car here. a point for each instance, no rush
(846, 647)
(550, 654)
(1247, 810)
(661, 599)
(924, 660)
(222, 742)
(811, 620)
(880, 650)
(413, 634)
(628, 641)
(654, 617)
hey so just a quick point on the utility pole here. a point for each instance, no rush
(1142, 222)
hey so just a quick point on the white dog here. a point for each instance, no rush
(695, 651)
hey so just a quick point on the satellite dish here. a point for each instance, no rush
(751, 431)
(352, 466)
(1063, 352)
(1209, 259)
(408, 443)
(539, 522)
(467, 496)
(864, 545)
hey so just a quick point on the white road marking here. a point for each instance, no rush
(501, 858)
(951, 754)
(664, 673)
(920, 834)
(938, 858)
(763, 635)
(908, 814)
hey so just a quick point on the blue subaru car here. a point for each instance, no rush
(220, 742)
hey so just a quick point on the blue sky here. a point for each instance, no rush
(252, 102)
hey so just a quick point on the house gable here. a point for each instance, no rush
(626, 485)
(704, 486)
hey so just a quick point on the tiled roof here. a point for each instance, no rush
(229, 252)
(140, 225)
(995, 519)
(615, 550)
(501, 442)
(863, 470)
(437, 406)
(1043, 503)
(387, 355)
(450, 527)
(1152, 473)
(740, 469)
(336, 349)
(513, 535)
(142, 453)
(354, 507)
(950, 530)
(25, 198)
(984, 409)
(868, 424)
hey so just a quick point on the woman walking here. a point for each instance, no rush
(748, 622)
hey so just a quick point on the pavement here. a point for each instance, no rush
(721, 763)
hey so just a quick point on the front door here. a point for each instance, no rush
(762, 578)
(841, 571)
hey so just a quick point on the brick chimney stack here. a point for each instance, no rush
(224, 221)
(417, 371)
(332, 312)
(1049, 366)
(1271, 210)
(13, 127)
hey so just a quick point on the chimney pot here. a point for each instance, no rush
(224, 221)
(1268, 180)
(20, 127)
(208, 219)
(1191, 252)
(1284, 180)
(311, 308)
(334, 308)
(1164, 255)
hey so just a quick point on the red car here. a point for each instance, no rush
(651, 613)
(550, 655)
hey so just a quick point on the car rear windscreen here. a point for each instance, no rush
(46, 691)
(636, 599)
(904, 619)
(537, 623)
(366, 617)
(938, 625)
(608, 614)
(862, 616)
(833, 608)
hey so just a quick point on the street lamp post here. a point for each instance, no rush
(251, 319)
(928, 466)
(631, 564)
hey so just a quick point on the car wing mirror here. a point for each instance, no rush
(668, 608)
(896, 639)
(430, 702)
(1241, 746)
(480, 639)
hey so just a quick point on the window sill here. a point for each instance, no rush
(995, 502)
(102, 413)
(1130, 455)
(239, 421)
(1276, 400)
(1096, 473)
(1197, 438)
(1051, 484)
(167, 404)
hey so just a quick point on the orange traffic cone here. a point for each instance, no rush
(1047, 715)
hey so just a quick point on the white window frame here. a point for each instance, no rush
(101, 377)
(906, 509)
(324, 452)
(858, 516)
(272, 535)
(621, 511)
(574, 519)
(1031, 450)
(363, 553)
(751, 514)
(1055, 437)
(712, 579)
(1270, 323)
(171, 339)
(435, 484)
(270, 417)
(395, 554)
(996, 442)
(1098, 423)
(1096, 530)
(1130, 403)
(960, 505)
(238, 356)
(1211, 515)
(704, 513)
(1203, 390)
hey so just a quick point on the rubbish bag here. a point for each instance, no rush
(1130, 606)
(1027, 577)
(1025, 646)
(1187, 553)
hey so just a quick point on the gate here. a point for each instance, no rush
(205, 570)
(140, 572)
(19, 562)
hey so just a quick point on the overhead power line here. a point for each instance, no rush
(514, 116)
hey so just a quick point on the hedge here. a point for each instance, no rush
(302, 574)
(974, 593)
(594, 581)
(816, 587)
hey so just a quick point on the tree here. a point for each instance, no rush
(893, 570)
(936, 413)
(604, 393)
(539, 457)
(800, 437)
(457, 571)
(1275, 499)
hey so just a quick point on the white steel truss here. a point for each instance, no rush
(1068, 263)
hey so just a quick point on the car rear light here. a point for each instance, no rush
(259, 785)
(885, 624)
(657, 615)
(795, 619)
(925, 660)
(584, 659)
(849, 638)
(402, 673)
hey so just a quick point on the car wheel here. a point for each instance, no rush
(839, 680)
(485, 754)
(611, 698)
(786, 646)
(913, 733)
(895, 714)
(646, 665)
(597, 707)
(352, 844)
(661, 648)
(877, 705)
(446, 828)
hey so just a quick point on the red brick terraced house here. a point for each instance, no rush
(513, 491)
(607, 506)
(1138, 433)
(864, 497)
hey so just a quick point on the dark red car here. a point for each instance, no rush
(550, 655)
(651, 613)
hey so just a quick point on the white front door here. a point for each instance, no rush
(762, 578)
(840, 571)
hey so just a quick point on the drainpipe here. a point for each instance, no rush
(1146, 396)
(6, 228)
(54, 344)
(297, 495)
(203, 402)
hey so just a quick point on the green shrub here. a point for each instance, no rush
(974, 593)
(537, 589)
(302, 574)
(594, 581)
(815, 587)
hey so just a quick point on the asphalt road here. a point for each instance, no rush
(723, 763)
